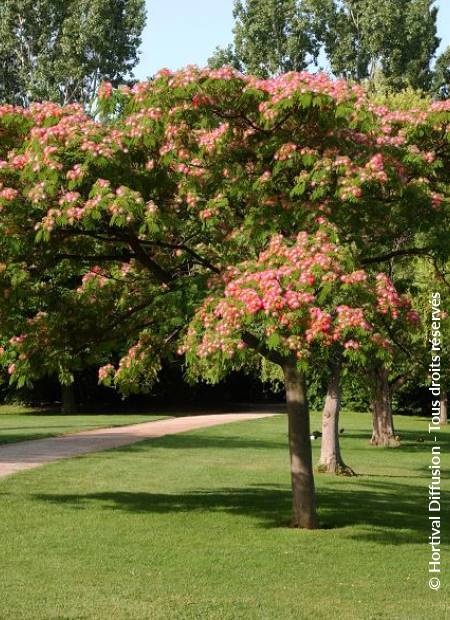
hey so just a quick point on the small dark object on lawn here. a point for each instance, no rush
(315, 435)
(341, 432)
(420, 439)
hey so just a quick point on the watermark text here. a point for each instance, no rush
(434, 488)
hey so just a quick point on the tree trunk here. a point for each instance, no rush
(68, 399)
(330, 453)
(443, 417)
(383, 425)
(303, 492)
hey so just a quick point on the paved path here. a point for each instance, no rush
(33, 453)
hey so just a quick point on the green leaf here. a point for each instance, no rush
(273, 341)
(298, 190)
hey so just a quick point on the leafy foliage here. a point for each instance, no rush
(361, 36)
(60, 50)
(442, 75)
(116, 231)
(270, 37)
(358, 38)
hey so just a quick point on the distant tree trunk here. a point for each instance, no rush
(443, 417)
(383, 425)
(303, 492)
(330, 453)
(68, 399)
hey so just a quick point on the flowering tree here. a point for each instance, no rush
(294, 299)
(226, 217)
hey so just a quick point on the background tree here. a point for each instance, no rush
(441, 77)
(331, 460)
(363, 36)
(225, 56)
(60, 50)
(432, 280)
(356, 38)
(270, 37)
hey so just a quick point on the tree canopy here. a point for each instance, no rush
(357, 38)
(442, 75)
(270, 37)
(199, 171)
(60, 50)
(221, 216)
(363, 36)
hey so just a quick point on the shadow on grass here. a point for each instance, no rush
(46, 432)
(390, 513)
(6, 440)
(189, 440)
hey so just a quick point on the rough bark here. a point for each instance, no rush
(383, 433)
(443, 412)
(68, 399)
(330, 453)
(303, 491)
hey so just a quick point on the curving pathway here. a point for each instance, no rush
(35, 452)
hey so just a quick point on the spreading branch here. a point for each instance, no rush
(395, 254)
(255, 344)
(147, 261)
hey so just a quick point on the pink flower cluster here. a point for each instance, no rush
(279, 294)
(286, 151)
(105, 90)
(349, 319)
(354, 277)
(209, 138)
(105, 371)
(8, 193)
(94, 276)
(389, 300)
(279, 291)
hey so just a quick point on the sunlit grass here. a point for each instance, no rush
(193, 526)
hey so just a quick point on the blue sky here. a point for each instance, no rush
(182, 32)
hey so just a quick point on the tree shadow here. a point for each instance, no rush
(388, 513)
(189, 440)
(394, 513)
(8, 438)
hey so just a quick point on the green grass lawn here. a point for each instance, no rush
(20, 423)
(193, 526)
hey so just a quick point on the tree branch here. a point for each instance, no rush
(141, 255)
(180, 246)
(396, 253)
(440, 274)
(255, 344)
(96, 258)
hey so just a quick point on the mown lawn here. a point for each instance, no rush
(20, 423)
(193, 526)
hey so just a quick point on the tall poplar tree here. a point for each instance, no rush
(357, 39)
(361, 37)
(441, 82)
(270, 37)
(60, 50)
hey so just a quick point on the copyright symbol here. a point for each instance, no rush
(434, 583)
